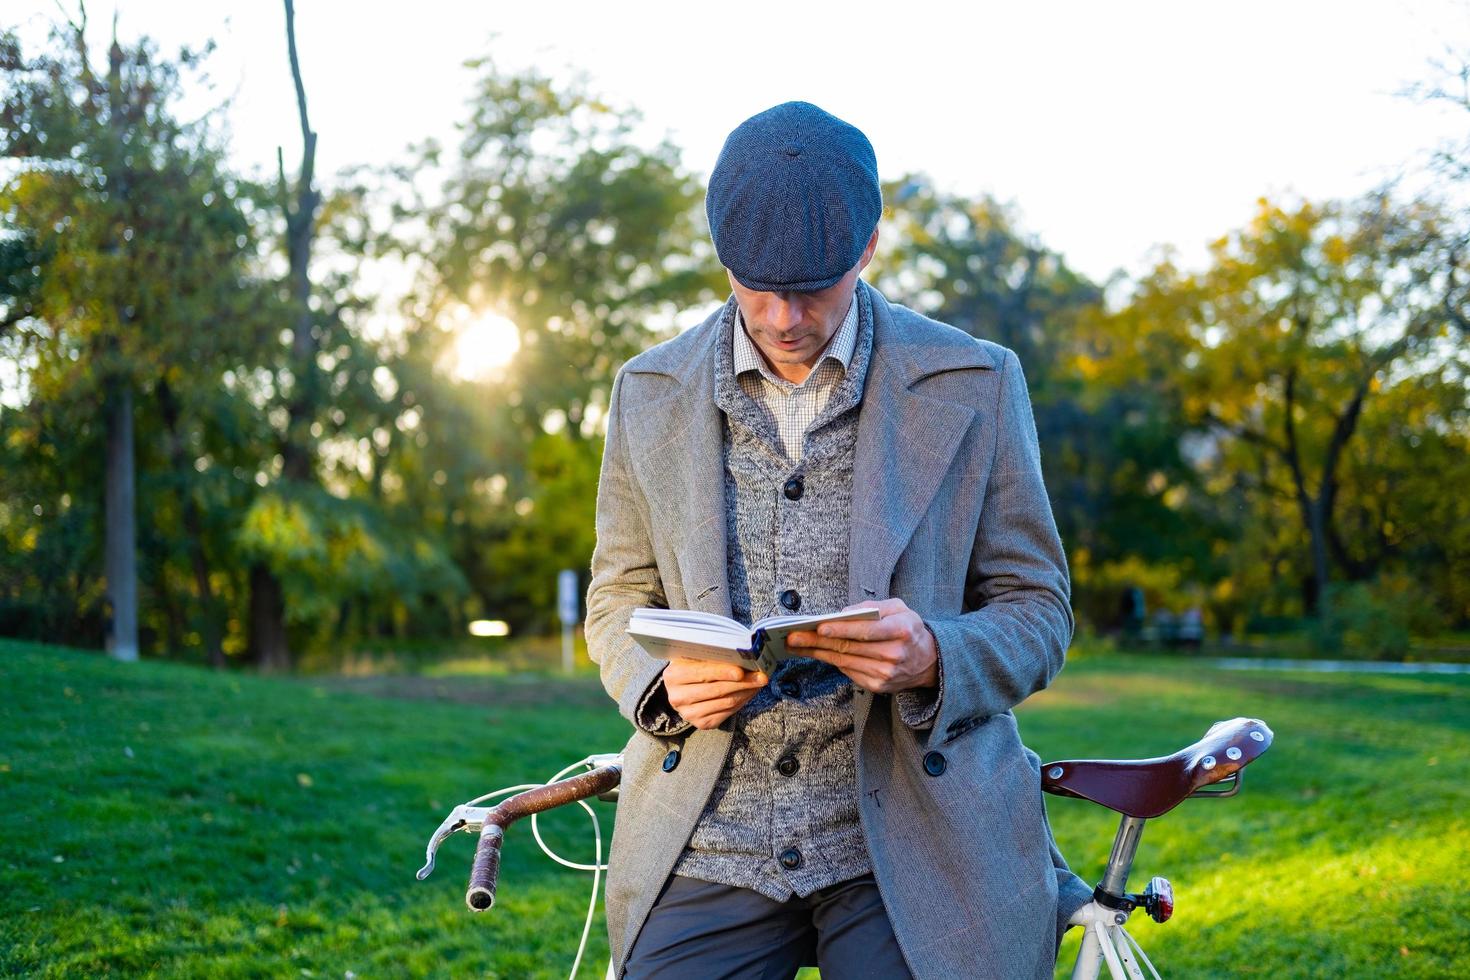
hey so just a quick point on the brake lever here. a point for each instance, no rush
(470, 819)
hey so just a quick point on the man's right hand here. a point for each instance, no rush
(705, 693)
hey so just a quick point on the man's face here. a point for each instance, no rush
(792, 329)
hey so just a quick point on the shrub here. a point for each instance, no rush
(1377, 620)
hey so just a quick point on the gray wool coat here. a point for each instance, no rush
(949, 514)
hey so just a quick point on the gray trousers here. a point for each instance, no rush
(704, 930)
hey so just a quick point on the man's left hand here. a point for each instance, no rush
(892, 653)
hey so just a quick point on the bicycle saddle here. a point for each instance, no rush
(1152, 787)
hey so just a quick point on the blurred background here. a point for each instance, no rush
(308, 319)
(302, 358)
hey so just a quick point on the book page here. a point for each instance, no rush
(777, 628)
(689, 616)
(789, 623)
(699, 628)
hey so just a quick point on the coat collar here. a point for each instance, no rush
(906, 441)
(916, 353)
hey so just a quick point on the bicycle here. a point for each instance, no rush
(1138, 789)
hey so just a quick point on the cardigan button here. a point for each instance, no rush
(790, 859)
(671, 760)
(787, 765)
(791, 599)
(794, 488)
(934, 763)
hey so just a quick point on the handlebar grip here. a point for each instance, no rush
(486, 869)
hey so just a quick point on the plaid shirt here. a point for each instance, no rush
(794, 407)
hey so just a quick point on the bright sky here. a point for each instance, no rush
(1114, 126)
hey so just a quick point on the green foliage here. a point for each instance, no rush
(1164, 586)
(965, 261)
(552, 529)
(328, 550)
(125, 268)
(1379, 619)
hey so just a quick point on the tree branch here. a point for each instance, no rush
(1293, 452)
(1246, 433)
(308, 138)
(1347, 423)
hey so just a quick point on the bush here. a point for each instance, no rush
(1377, 620)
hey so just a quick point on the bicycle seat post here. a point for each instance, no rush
(1120, 861)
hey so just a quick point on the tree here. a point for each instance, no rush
(552, 215)
(1275, 353)
(549, 213)
(269, 645)
(136, 235)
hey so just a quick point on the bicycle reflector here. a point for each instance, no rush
(1158, 899)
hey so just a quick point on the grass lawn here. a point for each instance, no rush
(159, 819)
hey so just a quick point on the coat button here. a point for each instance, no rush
(790, 859)
(672, 760)
(791, 599)
(794, 488)
(787, 765)
(789, 688)
(934, 763)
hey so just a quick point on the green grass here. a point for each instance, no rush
(159, 819)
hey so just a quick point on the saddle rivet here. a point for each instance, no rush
(1055, 772)
(1232, 753)
(1258, 736)
(1208, 762)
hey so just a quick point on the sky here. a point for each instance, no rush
(1113, 127)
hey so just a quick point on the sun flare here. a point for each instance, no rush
(485, 345)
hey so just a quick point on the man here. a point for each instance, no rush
(811, 446)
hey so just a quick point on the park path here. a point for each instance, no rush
(1337, 666)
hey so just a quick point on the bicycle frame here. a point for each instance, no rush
(1105, 940)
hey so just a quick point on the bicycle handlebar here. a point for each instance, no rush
(490, 823)
(486, 869)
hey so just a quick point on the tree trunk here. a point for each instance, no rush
(1321, 571)
(193, 525)
(268, 644)
(120, 551)
(1316, 510)
(267, 598)
(298, 452)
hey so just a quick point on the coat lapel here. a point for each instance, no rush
(683, 477)
(906, 441)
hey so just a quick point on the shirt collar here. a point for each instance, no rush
(839, 348)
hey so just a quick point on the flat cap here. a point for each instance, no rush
(793, 199)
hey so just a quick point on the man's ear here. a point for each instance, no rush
(868, 252)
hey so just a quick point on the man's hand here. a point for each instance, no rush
(891, 654)
(705, 693)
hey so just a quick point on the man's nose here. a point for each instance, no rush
(786, 311)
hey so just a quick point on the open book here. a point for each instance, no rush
(666, 633)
